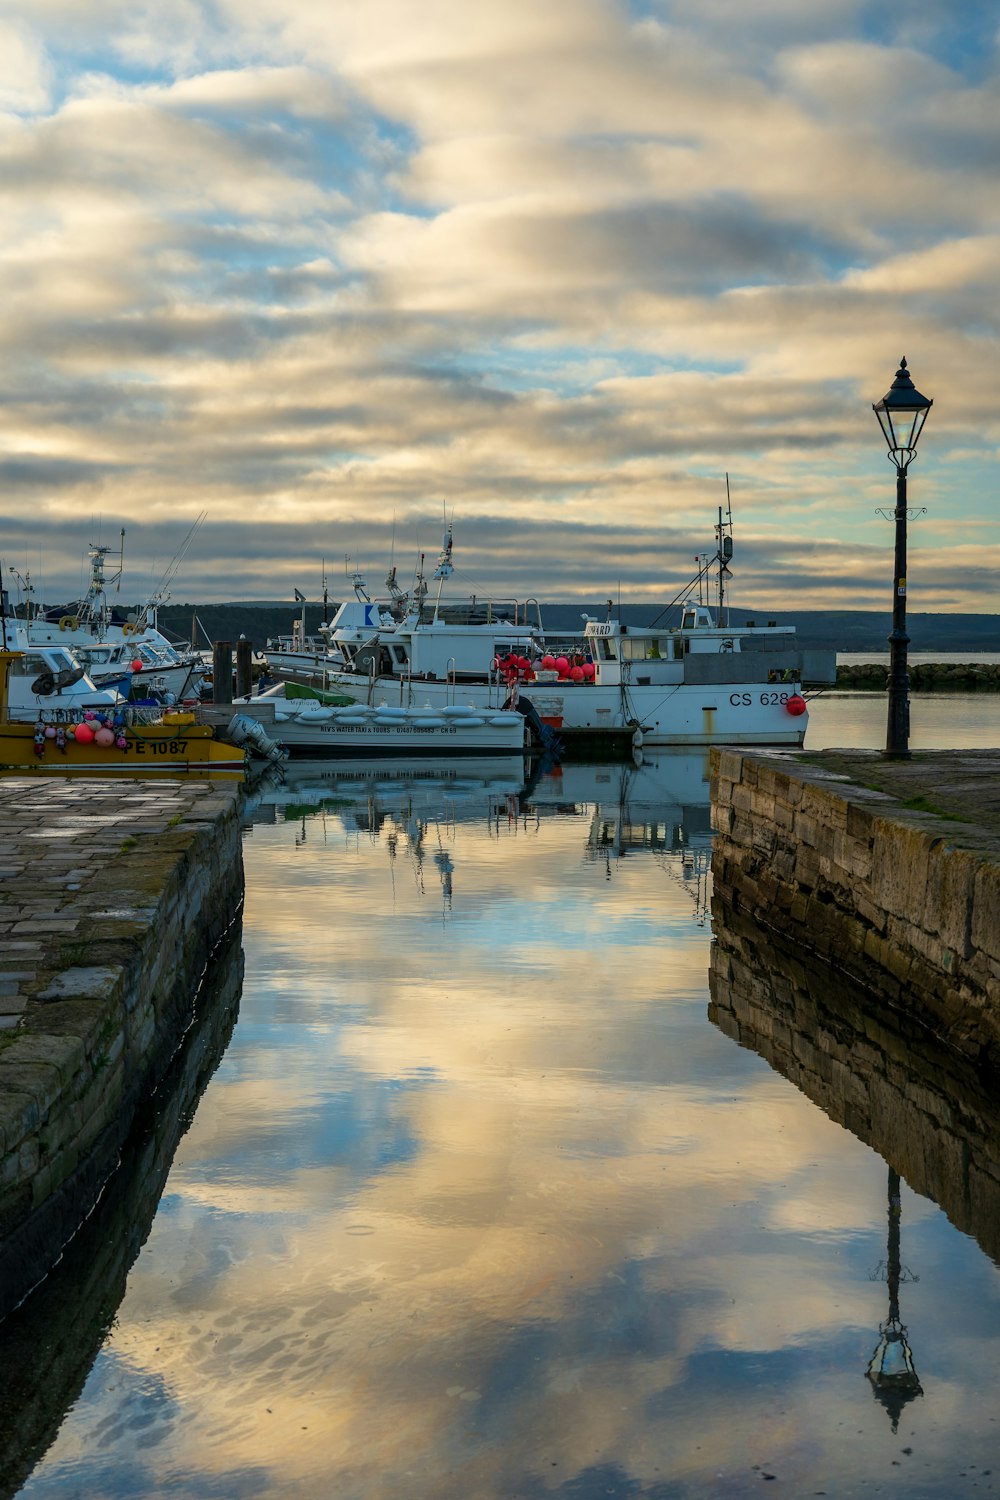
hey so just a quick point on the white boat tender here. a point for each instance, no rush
(306, 727)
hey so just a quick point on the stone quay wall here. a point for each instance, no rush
(904, 902)
(113, 896)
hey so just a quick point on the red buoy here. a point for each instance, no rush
(136, 665)
(796, 705)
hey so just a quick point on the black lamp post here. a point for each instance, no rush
(902, 413)
(890, 1369)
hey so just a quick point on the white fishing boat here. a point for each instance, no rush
(706, 680)
(358, 620)
(410, 632)
(46, 678)
(111, 643)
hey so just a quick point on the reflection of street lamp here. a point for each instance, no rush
(890, 1369)
(902, 413)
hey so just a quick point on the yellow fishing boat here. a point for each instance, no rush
(65, 742)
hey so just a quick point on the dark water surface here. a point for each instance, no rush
(495, 1193)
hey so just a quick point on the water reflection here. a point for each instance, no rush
(891, 1370)
(933, 1117)
(657, 805)
(479, 1207)
(52, 1339)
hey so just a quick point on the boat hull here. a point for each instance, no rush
(154, 752)
(681, 714)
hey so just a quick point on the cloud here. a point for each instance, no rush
(24, 70)
(320, 264)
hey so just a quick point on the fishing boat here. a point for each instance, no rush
(42, 677)
(305, 658)
(413, 633)
(706, 680)
(110, 739)
(113, 645)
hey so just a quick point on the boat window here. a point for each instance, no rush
(689, 620)
(606, 648)
(29, 665)
(652, 648)
(61, 660)
(399, 654)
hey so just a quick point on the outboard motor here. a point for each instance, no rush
(246, 731)
(542, 734)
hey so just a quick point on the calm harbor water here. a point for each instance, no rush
(481, 1198)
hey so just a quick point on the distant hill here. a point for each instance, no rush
(837, 630)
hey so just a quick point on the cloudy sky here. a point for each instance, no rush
(320, 270)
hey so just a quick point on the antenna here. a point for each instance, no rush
(724, 532)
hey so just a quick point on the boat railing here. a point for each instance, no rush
(475, 611)
(538, 615)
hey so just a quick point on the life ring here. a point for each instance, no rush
(129, 629)
(68, 622)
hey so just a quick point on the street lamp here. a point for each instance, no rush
(902, 413)
(890, 1369)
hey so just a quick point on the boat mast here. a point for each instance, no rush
(724, 537)
(444, 568)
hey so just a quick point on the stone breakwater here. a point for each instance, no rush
(112, 898)
(925, 677)
(901, 893)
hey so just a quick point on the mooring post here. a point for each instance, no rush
(244, 673)
(222, 672)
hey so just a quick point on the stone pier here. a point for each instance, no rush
(889, 870)
(113, 895)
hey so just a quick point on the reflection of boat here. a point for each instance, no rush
(302, 787)
(872, 1069)
(657, 804)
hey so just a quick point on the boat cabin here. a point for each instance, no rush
(438, 650)
(696, 651)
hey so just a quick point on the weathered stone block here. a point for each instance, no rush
(984, 926)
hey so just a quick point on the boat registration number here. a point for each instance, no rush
(156, 747)
(770, 699)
